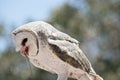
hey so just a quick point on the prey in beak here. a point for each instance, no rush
(24, 49)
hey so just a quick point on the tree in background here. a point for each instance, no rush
(98, 31)
(96, 26)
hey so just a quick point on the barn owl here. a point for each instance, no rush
(54, 51)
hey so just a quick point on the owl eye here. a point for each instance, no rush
(24, 41)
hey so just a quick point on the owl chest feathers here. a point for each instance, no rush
(48, 61)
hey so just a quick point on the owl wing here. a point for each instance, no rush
(57, 35)
(69, 51)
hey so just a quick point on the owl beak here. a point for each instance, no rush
(25, 50)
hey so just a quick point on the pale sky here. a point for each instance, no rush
(18, 11)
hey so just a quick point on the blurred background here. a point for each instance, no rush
(95, 23)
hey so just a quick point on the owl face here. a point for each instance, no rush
(26, 42)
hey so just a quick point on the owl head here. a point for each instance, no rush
(26, 38)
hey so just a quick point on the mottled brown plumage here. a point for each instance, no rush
(54, 51)
(70, 55)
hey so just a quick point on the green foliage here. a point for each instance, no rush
(2, 30)
(98, 30)
(100, 24)
(63, 15)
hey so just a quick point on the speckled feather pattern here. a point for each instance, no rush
(56, 51)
